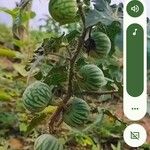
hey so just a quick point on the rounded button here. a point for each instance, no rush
(135, 8)
(135, 135)
(135, 46)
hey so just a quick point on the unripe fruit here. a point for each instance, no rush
(47, 142)
(37, 96)
(77, 113)
(102, 44)
(90, 77)
(63, 11)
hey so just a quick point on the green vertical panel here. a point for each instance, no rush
(135, 60)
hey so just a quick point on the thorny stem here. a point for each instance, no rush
(71, 70)
(98, 93)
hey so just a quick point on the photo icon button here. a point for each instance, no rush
(135, 135)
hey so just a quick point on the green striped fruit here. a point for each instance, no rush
(37, 96)
(47, 142)
(63, 11)
(90, 77)
(77, 113)
(102, 45)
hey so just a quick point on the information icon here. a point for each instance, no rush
(135, 8)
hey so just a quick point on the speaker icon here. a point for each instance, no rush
(135, 8)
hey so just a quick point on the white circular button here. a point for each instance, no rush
(135, 135)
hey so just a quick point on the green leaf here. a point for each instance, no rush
(87, 2)
(9, 53)
(109, 1)
(71, 36)
(56, 75)
(4, 96)
(94, 16)
(119, 41)
(26, 16)
(118, 147)
(23, 17)
(145, 146)
(102, 5)
(118, 10)
(81, 62)
(2, 148)
(17, 20)
(18, 15)
(20, 69)
(19, 43)
(96, 123)
(53, 43)
(13, 12)
(103, 13)
(36, 121)
(7, 119)
(45, 68)
(39, 118)
(120, 87)
(116, 73)
(84, 140)
(23, 127)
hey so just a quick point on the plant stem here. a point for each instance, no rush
(71, 70)
(19, 31)
(98, 93)
(61, 56)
